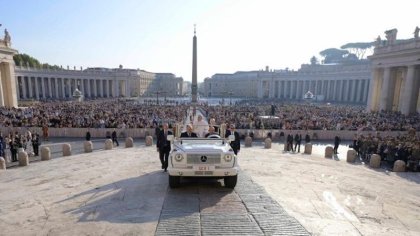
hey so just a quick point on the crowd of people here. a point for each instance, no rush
(12, 142)
(245, 115)
(405, 147)
(117, 113)
(92, 114)
(251, 115)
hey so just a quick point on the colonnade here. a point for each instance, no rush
(30, 87)
(395, 89)
(337, 90)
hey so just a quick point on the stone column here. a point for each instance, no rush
(356, 86)
(7, 71)
(372, 90)
(2, 92)
(89, 90)
(366, 90)
(43, 87)
(408, 104)
(95, 88)
(56, 88)
(127, 89)
(259, 90)
(63, 87)
(30, 87)
(285, 89)
(117, 88)
(107, 88)
(69, 87)
(385, 95)
(101, 87)
(328, 92)
(83, 86)
(49, 87)
(340, 91)
(24, 94)
(36, 88)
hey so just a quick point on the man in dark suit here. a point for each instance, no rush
(236, 144)
(298, 140)
(189, 133)
(337, 142)
(114, 137)
(88, 136)
(163, 145)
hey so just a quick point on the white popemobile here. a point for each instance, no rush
(202, 157)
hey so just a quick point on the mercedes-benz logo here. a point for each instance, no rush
(203, 158)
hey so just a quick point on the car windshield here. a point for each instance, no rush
(201, 141)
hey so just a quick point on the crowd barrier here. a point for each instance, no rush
(257, 133)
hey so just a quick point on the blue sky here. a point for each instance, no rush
(232, 35)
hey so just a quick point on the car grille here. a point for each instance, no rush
(196, 159)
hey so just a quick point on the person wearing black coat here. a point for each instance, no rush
(298, 140)
(36, 142)
(337, 142)
(236, 144)
(88, 136)
(289, 142)
(189, 133)
(163, 145)
(114, 138)
(307, 138)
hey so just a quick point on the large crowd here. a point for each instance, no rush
(249, 115)
(246, 115)
(92, 114)
(117, 113)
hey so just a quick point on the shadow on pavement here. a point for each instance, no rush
(144, 198)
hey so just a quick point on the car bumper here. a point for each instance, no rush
(196, 173)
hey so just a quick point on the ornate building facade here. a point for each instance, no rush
(332, 83)
(396, 74)
(37, 83)
(8, 96)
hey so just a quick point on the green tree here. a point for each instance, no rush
(359, 49)
(24, 59)
(333, 55)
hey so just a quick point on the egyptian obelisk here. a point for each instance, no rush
(194, 71)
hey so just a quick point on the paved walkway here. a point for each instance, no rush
(210, 209)
(124, 191)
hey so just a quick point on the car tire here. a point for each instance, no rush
(174, 181)
(230, 181)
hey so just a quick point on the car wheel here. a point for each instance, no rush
(230, 181)
(174, 181)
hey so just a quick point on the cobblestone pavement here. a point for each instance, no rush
(211, 209)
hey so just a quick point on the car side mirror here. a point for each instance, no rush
(231, 138)
(170, 137)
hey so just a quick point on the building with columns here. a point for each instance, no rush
(167, 84)
(8, 96)
(395, 74)
(38, 83)
(332, 83)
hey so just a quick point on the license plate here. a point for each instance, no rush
(204, 168)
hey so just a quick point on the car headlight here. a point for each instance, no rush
(228, 157)
(179, 157)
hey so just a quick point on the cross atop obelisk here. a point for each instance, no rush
(194, 85)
